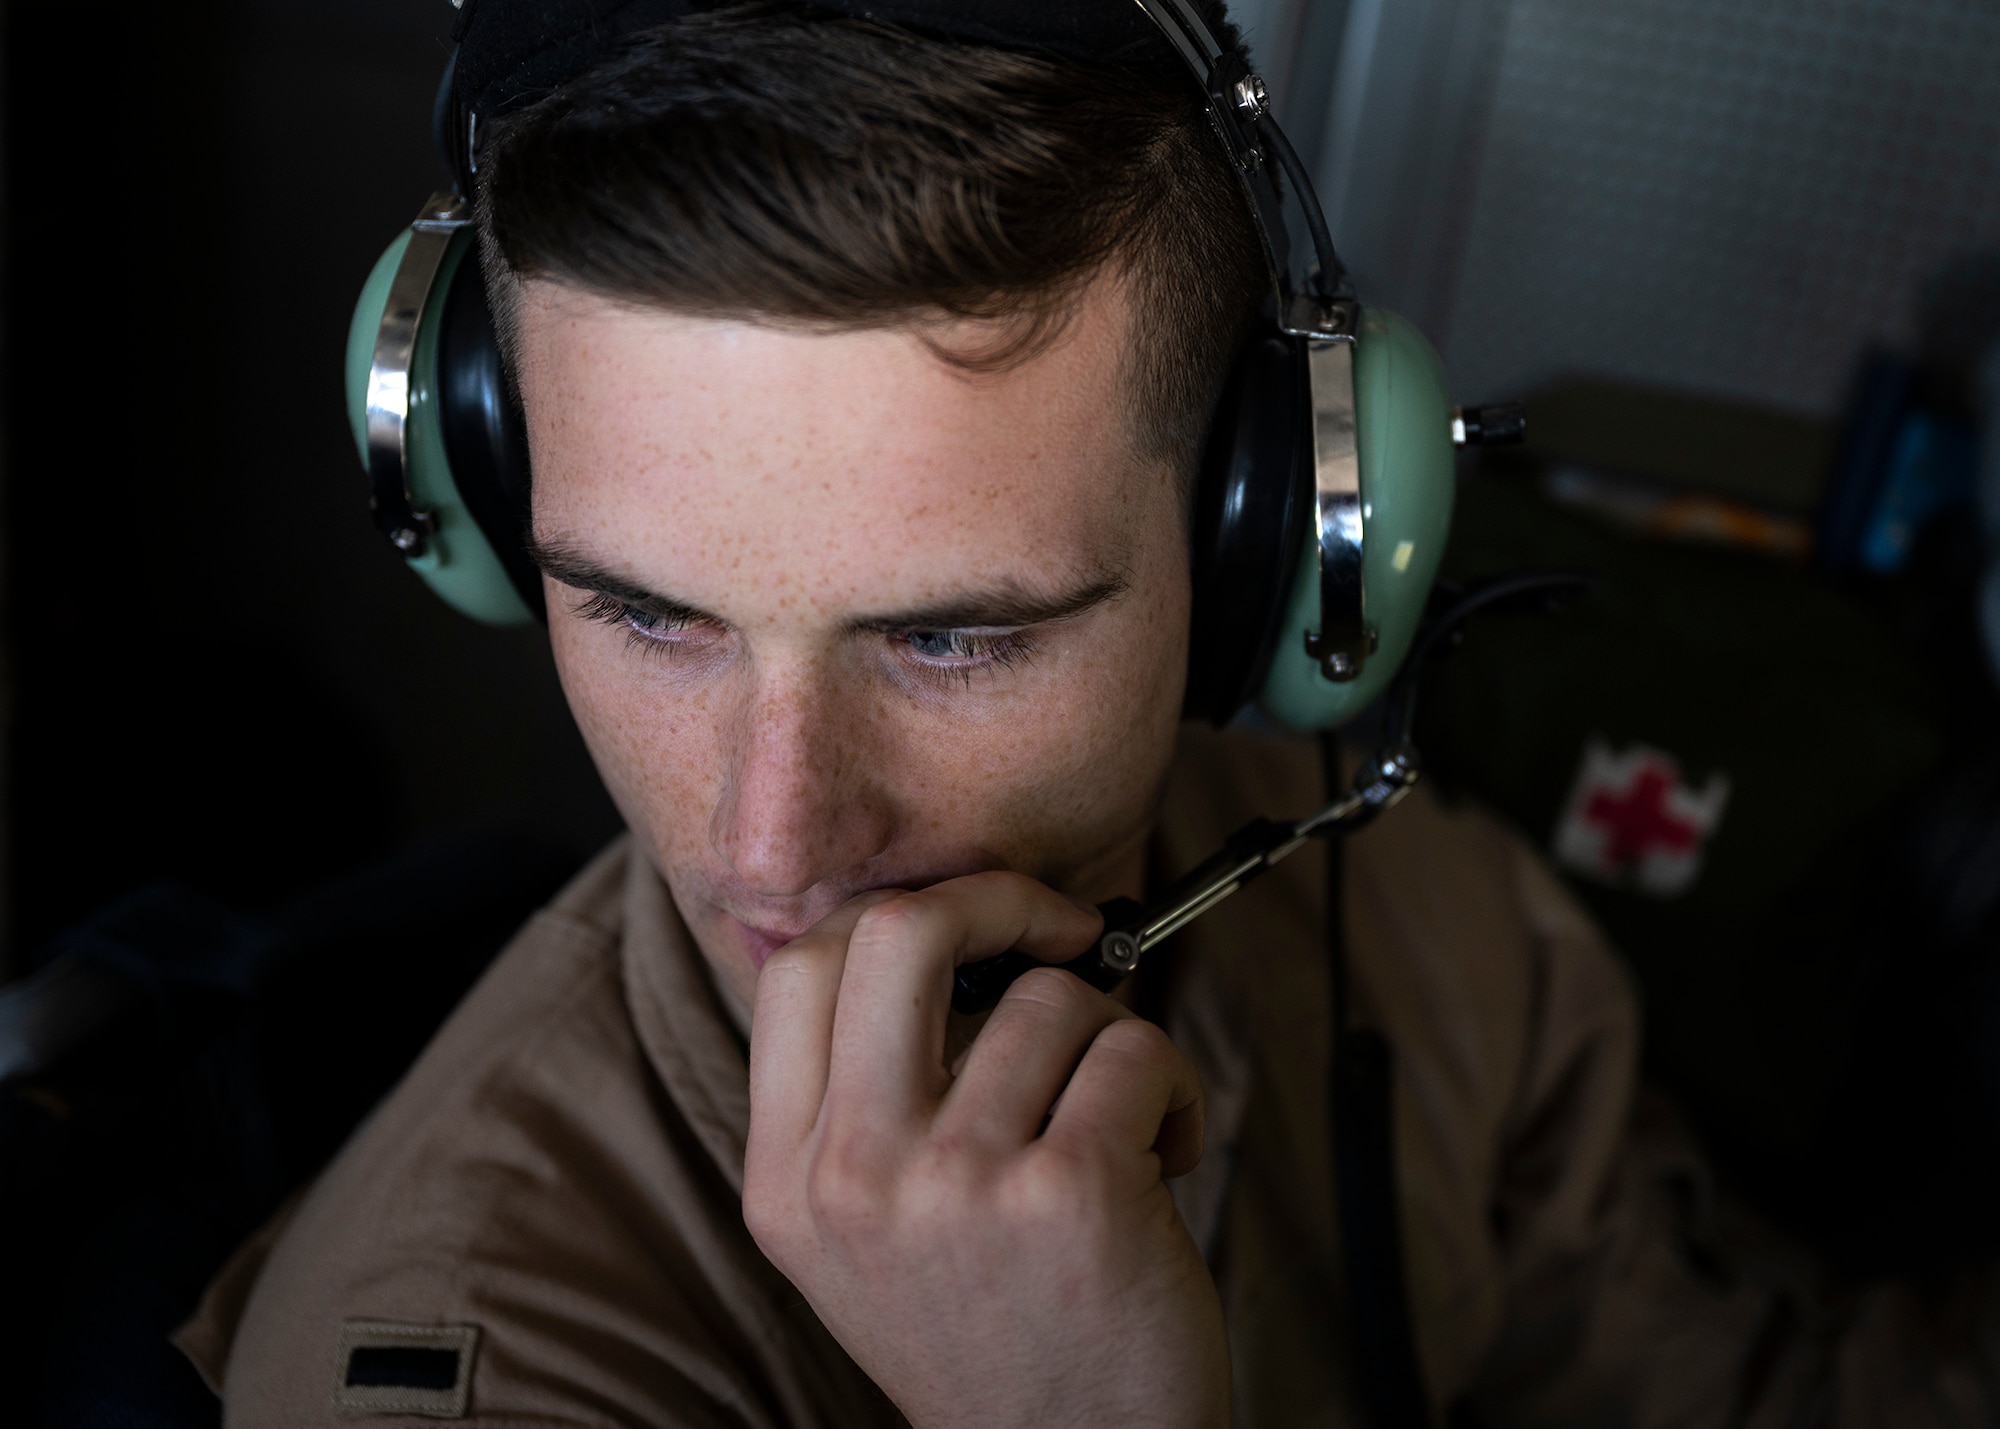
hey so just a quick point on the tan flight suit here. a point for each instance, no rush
(543, 1219)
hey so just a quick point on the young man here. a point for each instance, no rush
(865, 373)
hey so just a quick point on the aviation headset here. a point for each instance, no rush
(1326, 486)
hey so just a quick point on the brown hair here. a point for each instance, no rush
(762, 163)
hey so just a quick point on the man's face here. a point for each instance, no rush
(834, 615)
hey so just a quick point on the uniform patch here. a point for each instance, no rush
(387, 1368)
(1633, 820)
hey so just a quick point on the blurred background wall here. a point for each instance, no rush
(217, 671)
(1704, 194)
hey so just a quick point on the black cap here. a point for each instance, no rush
(511, 52)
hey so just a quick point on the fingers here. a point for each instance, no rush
(888, 1035)
(1137, 1092)
(791, 1026)
(1025, 1055)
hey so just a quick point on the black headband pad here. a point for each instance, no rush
(511, 52)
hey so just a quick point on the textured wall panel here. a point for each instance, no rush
(1722, 195)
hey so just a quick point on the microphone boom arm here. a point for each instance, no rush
(1131, 930)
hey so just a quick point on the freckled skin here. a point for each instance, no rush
(790, 482)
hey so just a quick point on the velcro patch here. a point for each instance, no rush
(387, 1368)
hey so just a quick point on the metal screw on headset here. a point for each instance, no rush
(1119, 952)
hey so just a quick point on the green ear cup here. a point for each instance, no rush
(1403, 418)
(459, 565)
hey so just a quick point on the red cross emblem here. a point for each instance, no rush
(1633, 820)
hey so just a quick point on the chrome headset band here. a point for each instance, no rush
(390, 378)
(1316, 304)
(1313, 301)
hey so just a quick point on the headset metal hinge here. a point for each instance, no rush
(390, 379)
(1343, 643)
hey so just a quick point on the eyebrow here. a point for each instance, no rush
(565, 564)
(1006, 605)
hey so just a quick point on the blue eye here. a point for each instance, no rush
(976, 646)
(656, 633)
(941, 644)
(958, 653)
(653, 627)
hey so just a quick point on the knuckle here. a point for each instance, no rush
(1136, 1039)
(924, 1198)
(771, 1215)
(765, 1214)
(792, 960)
(1052, 988)
(1007, 881)
(843, 1195)
(893, 920)
(861, 902)
(1058, 1184)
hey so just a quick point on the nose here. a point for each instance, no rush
(802, 802)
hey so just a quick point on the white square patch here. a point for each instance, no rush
(1633, 820)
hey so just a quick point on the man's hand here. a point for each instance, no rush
(995, 1247)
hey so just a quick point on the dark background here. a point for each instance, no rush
(216, 670)
(227, 708)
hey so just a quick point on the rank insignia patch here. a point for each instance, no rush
(1634, 821)
(391, 1368)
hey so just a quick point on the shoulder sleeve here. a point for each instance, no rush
(1598, 1211)
(528, 1233)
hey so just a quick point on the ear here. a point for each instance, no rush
(1252, 509)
